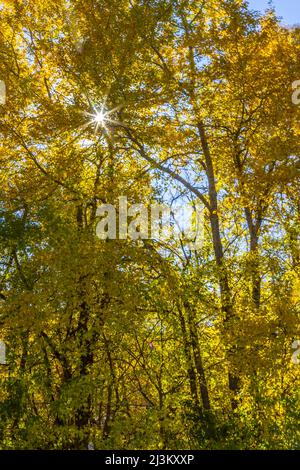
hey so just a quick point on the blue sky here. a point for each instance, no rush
(288, 9)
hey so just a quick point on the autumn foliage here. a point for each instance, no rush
(146, 344)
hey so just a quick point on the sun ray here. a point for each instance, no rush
(101, 117)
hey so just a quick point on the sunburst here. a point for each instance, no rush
(102, 118)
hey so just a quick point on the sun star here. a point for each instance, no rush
(100, 118)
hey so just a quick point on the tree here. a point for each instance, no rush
(146, 343)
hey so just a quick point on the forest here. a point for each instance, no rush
(149, 341)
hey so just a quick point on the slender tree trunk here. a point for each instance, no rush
(233, 379)
(255, 269)
(198, 361)
(227, 308)
(189, 360)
